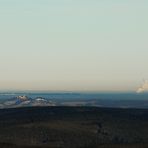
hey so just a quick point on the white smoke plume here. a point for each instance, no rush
(143, 88)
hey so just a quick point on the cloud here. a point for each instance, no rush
(143, 88)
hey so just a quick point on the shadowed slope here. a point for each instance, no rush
(73, 127)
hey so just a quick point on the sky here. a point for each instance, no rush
(84, 45)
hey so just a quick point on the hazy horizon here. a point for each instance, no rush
(67, 45)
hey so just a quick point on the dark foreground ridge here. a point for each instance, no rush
(73, 127)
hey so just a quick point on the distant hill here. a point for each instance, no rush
(108, 100)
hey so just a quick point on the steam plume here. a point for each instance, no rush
(143, 88)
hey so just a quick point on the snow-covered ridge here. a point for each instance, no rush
(22, 101)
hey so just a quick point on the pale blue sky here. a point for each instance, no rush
(98, 45)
